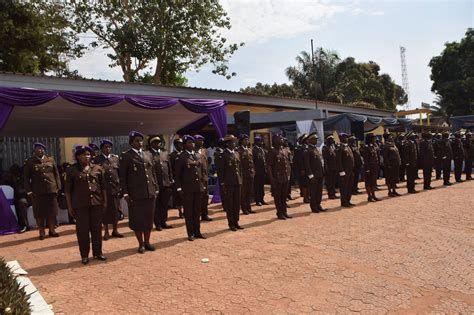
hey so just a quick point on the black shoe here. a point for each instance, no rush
(100, 257)
(85, 261)
(41, 237)
(106, 237)
(264, 203)
(306, 200)
(200, 236)
(159, 228)
(345, 205)
(321, 209)
(351, 204)
(287, 216)
(332, 197)
(239, 227)
(460, 181)
(376, 199)
(245, 212)
(396, 194)
(117, 235)
(251, 211)
(412, 191)
(206, 219)
(289, 198)
(166, 226)
(259, 204)
(391, 194)
(281, 217)
(315, 211)
(233, 228)
(150, 248)
(53, 234)
(447, 184)
(141, 250)
(370, 199)
(191, 238)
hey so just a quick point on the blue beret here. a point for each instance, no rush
(38, 144)
(105, 141)
(134, 134)
(80, 149)
(188, 138)
(198, 137)
(93, 146)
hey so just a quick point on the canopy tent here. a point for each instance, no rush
(358, 124)
(276, 119)
(33, 112)
(462, 122)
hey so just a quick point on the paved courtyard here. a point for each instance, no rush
(410, 254)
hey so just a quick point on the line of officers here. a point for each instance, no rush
(94, 185)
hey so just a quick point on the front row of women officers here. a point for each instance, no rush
(94, 185)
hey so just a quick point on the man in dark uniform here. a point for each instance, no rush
(230, 179)
(300, 168)
(345, 166)
(178, 146)
(260, 168)
(42, 184)
(458, 156)
(277, 170)
(468, 155)
(427, 159)
(190, 185)
(86, 196)
(401, 140)
(446, 155)
(330, 166)
(357, 163)
(438, 162)
(140, 189)
(371, 165)
(95, 150)
(164, 176)
(392, 161)
(411, 162)
(314, 171)
(201, 153)
(110, 164)
(248, 174)
(289, 165)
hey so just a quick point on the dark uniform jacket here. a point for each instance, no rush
(411, 157)
(189, 172)
(299, 158)
(202, 155)
(277, 165)
(313, 162)
(163, 170)
(458, 150)
(391, 155)
(444, 150)
(41, 175)
(344, 159)
(426, 153)
(137, 175)
(218, 159)
(401, 150)
(85, 186)
(469, 149)
(111, 172)
(259, 160)
(329, 155)
(231, 170)
(370, 155)
(246, 158)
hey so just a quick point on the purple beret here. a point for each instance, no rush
(106, 141)
(80, 149)
(343, 134)
(134, 134)
(93, 146)
(38, 144)
(276, 137)
(243, 136)
(198, 137)
(257, 138)
(187, 138)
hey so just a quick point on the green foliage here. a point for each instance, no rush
(452, 74)
(13, 298)
(174, 36)
(34, 38)
(345, 81)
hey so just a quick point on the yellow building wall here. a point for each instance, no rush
(67, 145)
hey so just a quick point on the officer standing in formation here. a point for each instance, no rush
(248, 174)
(469, 155)
(427, 159)
(201, 153)
(314, 171)
(358, 163)
(392, 161)
(300, 167)
(259, 162)
(371, 166)
(411, 162)
(42, 184)
(345, 165)
(330, 166)
(458, 156)
(178, 148)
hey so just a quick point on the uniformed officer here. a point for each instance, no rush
(189, 179)
(468, 155)
(86, 196)
(110, 163)
(230, 179)
(401, 140)
(201, 153)
(300, 168)
(289, 165)
(95, 150)
(427, 159)
(446, 155)
(357, 163)
(330, 166)
(314, 171)
(42, 184)
(458, 156)
(279, 175)
(164, 176)
(438, 162)
(248, 174)
(260, 170)
(371, 162)
(178, 146)
(140, 189)
(411, 162)
(392, 161)
(345, 166)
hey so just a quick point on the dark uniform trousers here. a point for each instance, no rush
(89, 219)
(355, 179)
(246, 193)
(192, 201)
(331, 177)
(161, 209)
(411, 176)
(315, 187)
(458, 169)
(231, 203)
(346, 184)
(446, 170)
(468, 168)
(280, 192)
(205, 201)
(259, 187)
(438, 167)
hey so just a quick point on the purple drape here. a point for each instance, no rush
(8, 223)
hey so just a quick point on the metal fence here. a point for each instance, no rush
(120, 143)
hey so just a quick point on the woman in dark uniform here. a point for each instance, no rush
(392, 161)
(86, 198)
(139, 188)
(371, 166)
(42, 184)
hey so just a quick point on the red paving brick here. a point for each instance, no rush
(410, 254)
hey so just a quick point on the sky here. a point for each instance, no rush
(276, 31)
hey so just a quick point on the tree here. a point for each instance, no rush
(34, 38)
(452, 74)
(172, 37)
(275, 89)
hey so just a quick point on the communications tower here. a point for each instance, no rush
(405, 76)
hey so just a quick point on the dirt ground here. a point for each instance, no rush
(409, 254)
